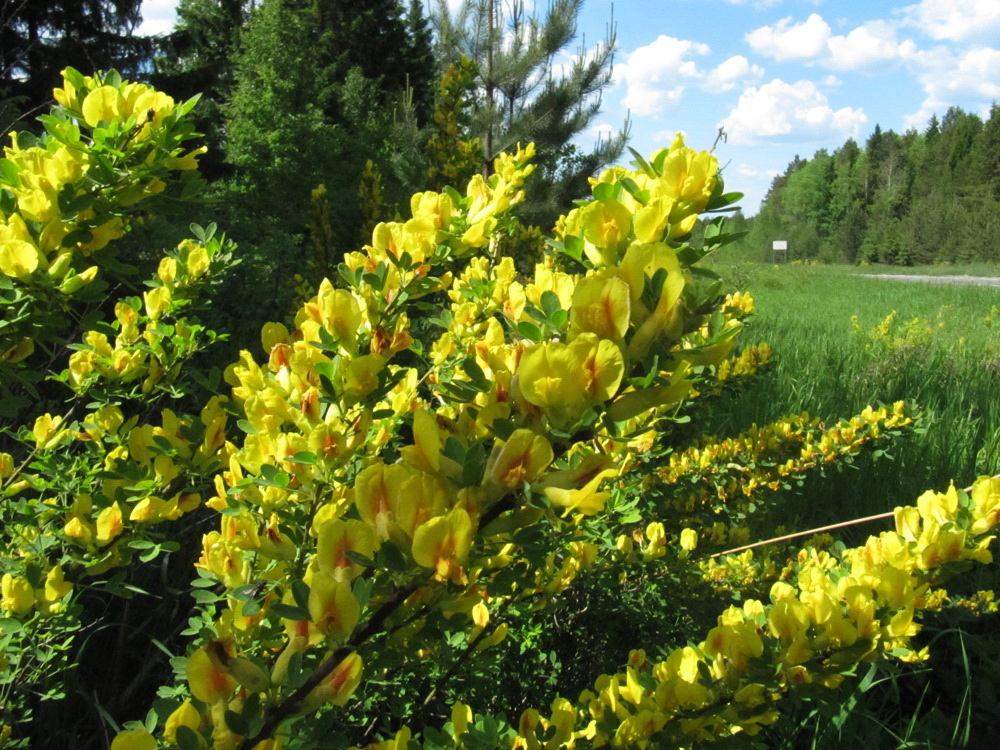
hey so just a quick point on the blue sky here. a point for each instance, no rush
(782, 77)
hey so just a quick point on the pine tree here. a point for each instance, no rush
(521, 97)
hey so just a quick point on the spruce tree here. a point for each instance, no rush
(38, 38)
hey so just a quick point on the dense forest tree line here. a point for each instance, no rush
(915, 198)
(322, 117)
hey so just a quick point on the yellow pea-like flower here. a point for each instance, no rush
(522, 458)
(333, 608)
(207, 679)
(586, 500)
(338, 687)
(336, 538)
(103, 104)
(134, 739)
(551, 376)
(18, 258)
(18, 596)
(443, 543)
(601, 305)
(185, 715)
(109, 524)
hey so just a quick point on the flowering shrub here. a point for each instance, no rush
(385, 503)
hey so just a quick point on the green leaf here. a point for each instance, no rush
(9, 173)
(476, 375)
(288, 612)
(605, 191)
(550, 303)
(653, 288)
(359, 559)
(236, 723)
(187, 739)
(390, 558)
(642, 164)
(300, 593)
(573, 247)
(530, 331)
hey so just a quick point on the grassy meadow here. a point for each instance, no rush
(841, 342)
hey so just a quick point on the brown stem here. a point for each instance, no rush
(291, 704)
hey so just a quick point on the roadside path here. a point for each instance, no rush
(974, 280)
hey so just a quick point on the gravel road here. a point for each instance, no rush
(974, 280)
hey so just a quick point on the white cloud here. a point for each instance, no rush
(737, 69)
(158, 17)
(970, 80)
(869, 44)
(758, 4)
(954, 20)
(657, 75)
(791, 41)
(780, 110)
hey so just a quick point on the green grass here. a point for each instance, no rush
(940, 352)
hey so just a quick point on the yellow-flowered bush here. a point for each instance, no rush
(375, 506)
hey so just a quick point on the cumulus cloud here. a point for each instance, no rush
(869, 44)
(657, 74)
(954, 20)
(813, 42)
(787, 40)
(727, 75)
(970, 79)
(780, 110)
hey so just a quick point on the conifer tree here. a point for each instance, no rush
(38, 38)
(522, 96)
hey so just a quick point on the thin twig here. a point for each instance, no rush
(817, 530)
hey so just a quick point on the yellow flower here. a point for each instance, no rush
(333, 608)
(522, 458)
(18, 596)
(207, 681)
(601, 305)
(134, 739)
(606, 225)
(336, 538)
(551, 376)
(338, 687)
(443, 543)
(689, 539)
(185, 715)
(586, 501)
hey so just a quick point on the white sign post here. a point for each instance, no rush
(779, 248)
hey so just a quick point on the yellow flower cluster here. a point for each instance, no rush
(147, 353)
(164, 456)
(719, 469)
(19, 599)
(747, 362)
(328, 397)
(836, 613)
(65, 205)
